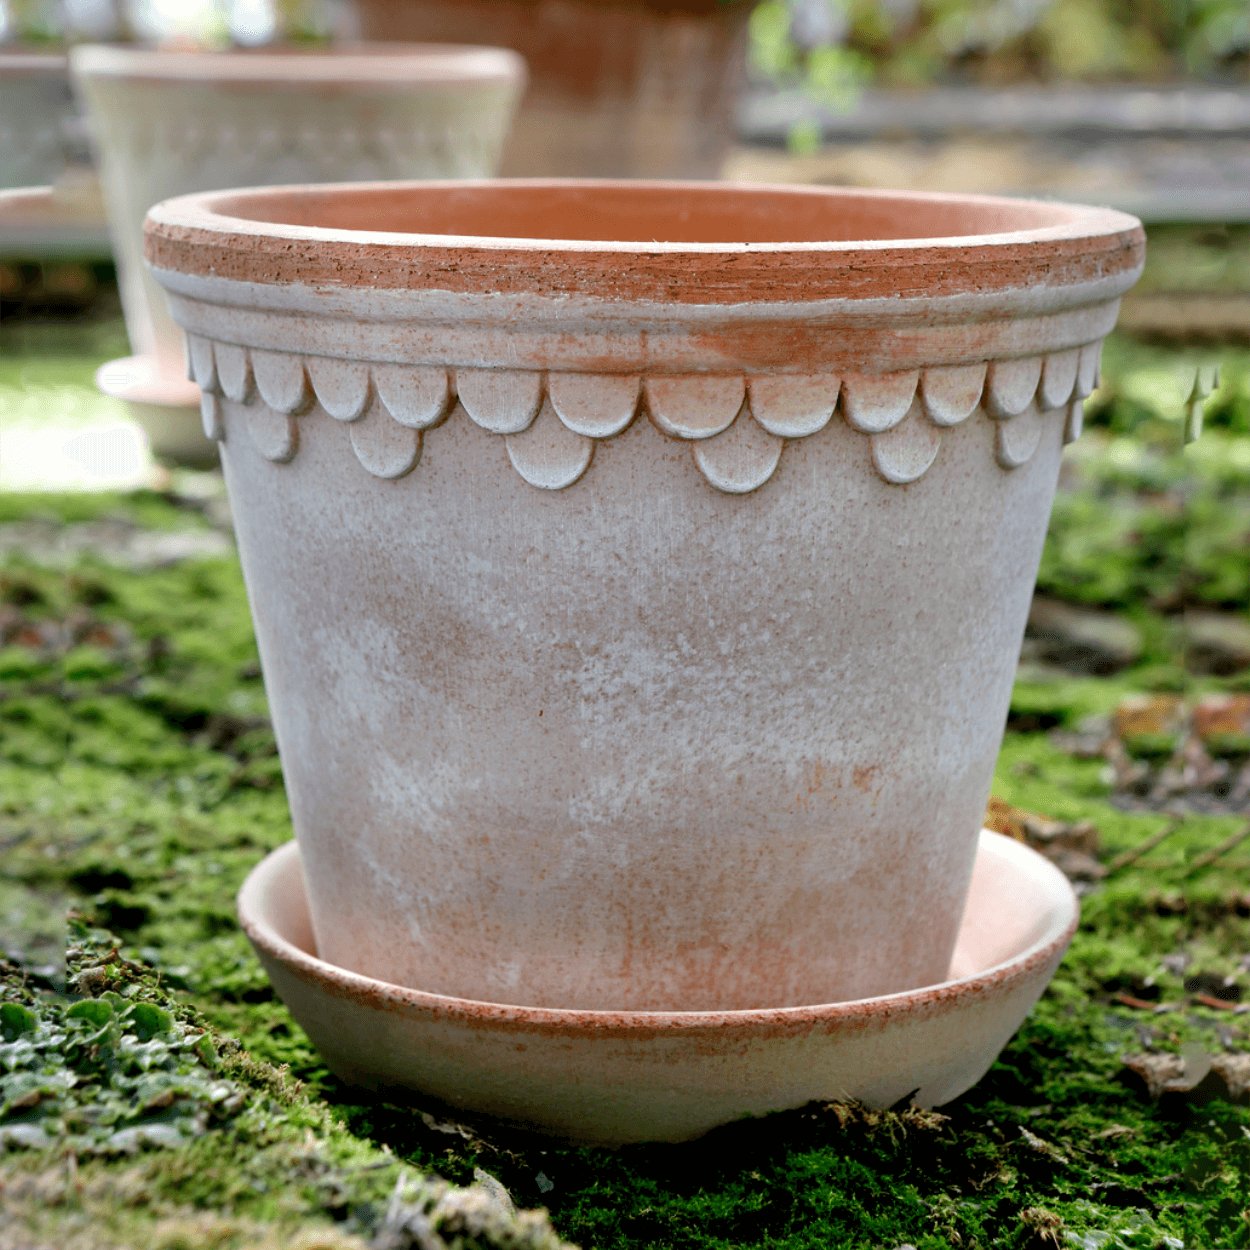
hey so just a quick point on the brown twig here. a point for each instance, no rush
(1135, 853)
(1207, 858)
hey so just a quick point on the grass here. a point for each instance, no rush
(139, 782)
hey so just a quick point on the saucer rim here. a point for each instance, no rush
(1063, 909)
(137, 379)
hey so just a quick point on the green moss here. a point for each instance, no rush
(139, 782)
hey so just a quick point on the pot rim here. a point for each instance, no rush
(1056, 932)
(280, 68)
(33, 61)
(314, 235)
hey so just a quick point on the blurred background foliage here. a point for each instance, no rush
(830, 46)
(836, 46)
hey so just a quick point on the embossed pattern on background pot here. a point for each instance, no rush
(635, 640)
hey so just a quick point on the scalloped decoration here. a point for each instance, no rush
(1010, 385)
(385, 447)
(1088, 369)
(201, 366)
(282, 382)
(952, 393)
(210, 417)
(1074, 421)
(905, 452)
(548, 454)
(275, 435)
(342, 386)
(695, 406)
(1017, 438)
(503, 401)
(1058, 378)
(417, 396)
(874, 402)
(234, 372)
(794, 405)
(550, 422)
(740, 459)
(595, 405)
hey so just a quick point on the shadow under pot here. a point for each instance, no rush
(639, 571)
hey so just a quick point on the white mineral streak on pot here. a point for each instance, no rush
(585, 710)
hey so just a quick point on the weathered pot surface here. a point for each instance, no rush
(710, 722)
(168, 122)
(615, 1077)
(625, 89)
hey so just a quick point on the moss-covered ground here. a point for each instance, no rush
(155, 1093)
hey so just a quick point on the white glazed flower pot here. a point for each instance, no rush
(166, 123)
(35, 110)
(640, 615)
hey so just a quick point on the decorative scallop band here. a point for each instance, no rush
(737, 425)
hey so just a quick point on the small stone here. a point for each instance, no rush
(1082, 639)
(1217, 643)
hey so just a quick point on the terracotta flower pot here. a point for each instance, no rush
(35, 110)
(169, 122)
(619, 88)
(640, 616)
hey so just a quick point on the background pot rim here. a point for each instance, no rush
(312, 235)
(381, 66)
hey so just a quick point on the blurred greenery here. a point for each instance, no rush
(835, 47)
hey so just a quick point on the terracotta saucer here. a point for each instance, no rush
(166, 408)
(614, 1077)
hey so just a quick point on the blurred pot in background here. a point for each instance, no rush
(35, 109)
(168, 122)
(619, 88)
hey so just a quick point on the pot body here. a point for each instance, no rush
(36, 108)
(627, 89)
(164, 124)
(633, 651)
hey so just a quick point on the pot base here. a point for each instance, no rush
(166, 409)
(613, 1077)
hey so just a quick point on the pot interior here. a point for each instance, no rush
(645, 214)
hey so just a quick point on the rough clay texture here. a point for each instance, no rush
(637, 741)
